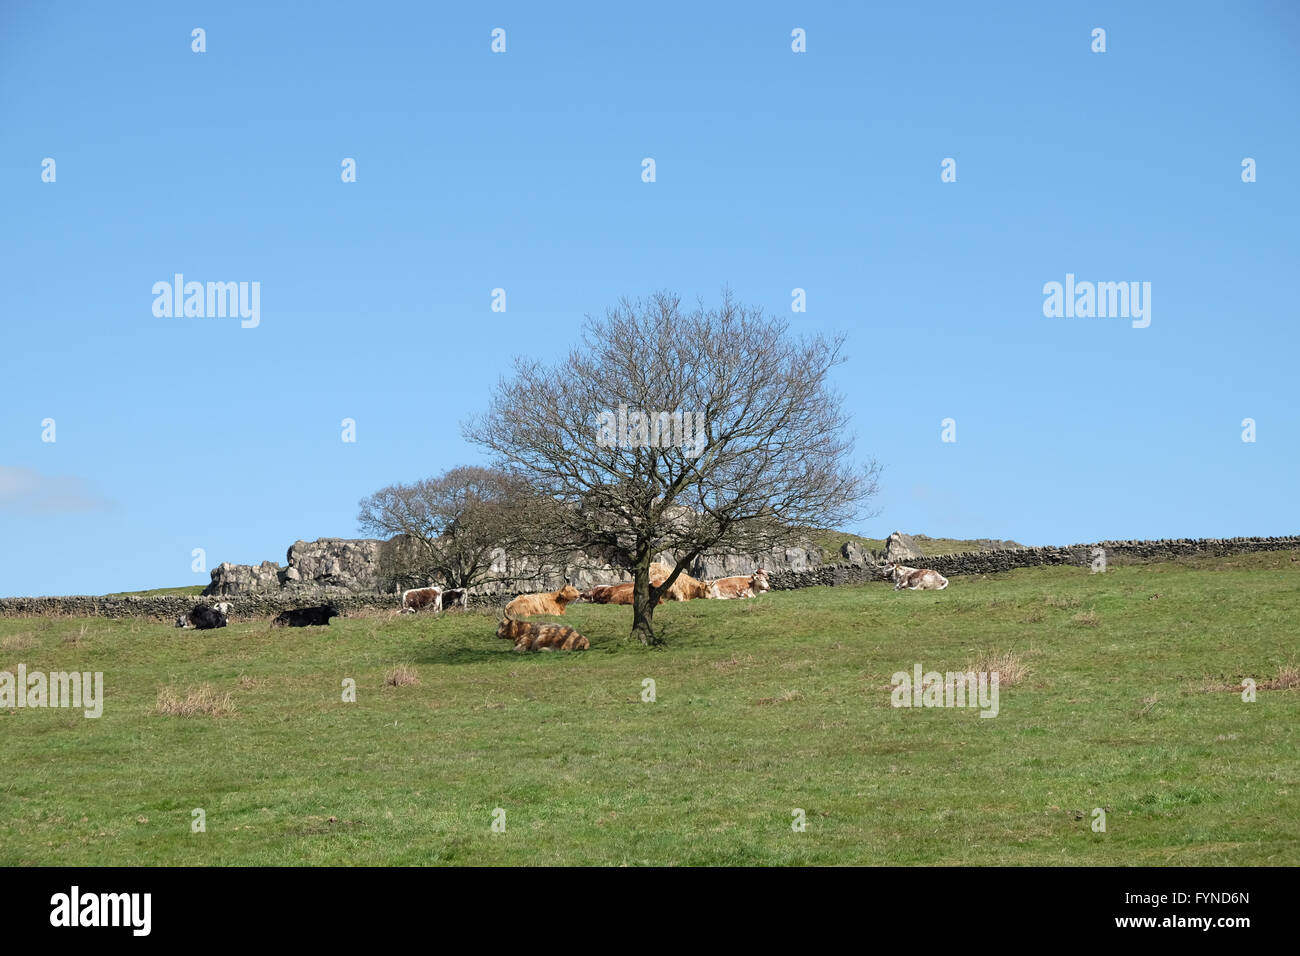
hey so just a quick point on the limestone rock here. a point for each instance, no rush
(336, 562)
(231, 579)
(901, 547)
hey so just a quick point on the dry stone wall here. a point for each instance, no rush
(267, 604)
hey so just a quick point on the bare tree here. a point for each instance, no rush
(445, 529)
(678, 431)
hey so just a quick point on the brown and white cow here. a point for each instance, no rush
(914, 579)
(726, 589)
(418, 599)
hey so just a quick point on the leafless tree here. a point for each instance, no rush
(761, 449)
(445, 529)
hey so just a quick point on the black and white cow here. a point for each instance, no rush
(203, 617)
(306, 616)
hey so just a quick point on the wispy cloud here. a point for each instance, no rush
(25, 491)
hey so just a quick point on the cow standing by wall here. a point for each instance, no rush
(419, 599)
(455, 597)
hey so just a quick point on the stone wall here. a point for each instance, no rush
(353, 565)
(1007, 559)
(265, 605)
(246, 607)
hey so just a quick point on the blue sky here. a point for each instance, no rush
(522, 170)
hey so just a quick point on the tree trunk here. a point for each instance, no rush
(643, 605)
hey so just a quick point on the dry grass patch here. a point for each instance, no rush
(1053, 600)
(18, 642)
(74, 640)
(782, 698)
(1085, 619)
(1010, 666)
(1288, 678)
(203, 701)
(403, 675)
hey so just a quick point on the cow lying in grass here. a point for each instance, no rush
(529, 605)
(305, 616)
(685, 588)
(725, 589)
(915, 579)
(418, 599)
(615, 594)
(203, 617)
(530, 636)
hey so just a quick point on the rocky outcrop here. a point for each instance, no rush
(853, 555)
(233, 579)
(901, 547)
(345, 563)
(726, 564)
(335, 562)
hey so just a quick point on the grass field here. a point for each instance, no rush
(1129, 704)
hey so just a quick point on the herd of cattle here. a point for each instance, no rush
(532, 636)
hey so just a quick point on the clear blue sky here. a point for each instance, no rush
(522, 170)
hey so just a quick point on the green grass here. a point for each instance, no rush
(763, 706)
(194, 590)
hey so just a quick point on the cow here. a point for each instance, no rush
(726, 589)
(203, 617)
(531, 636)
(529, 605)
(623, 593)
(455, 597)
(685, 588)
(306, 616)
(914, 579)
(601, 594)
(417, 599)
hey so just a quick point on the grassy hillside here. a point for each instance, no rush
(195, 590)
(762, 707)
